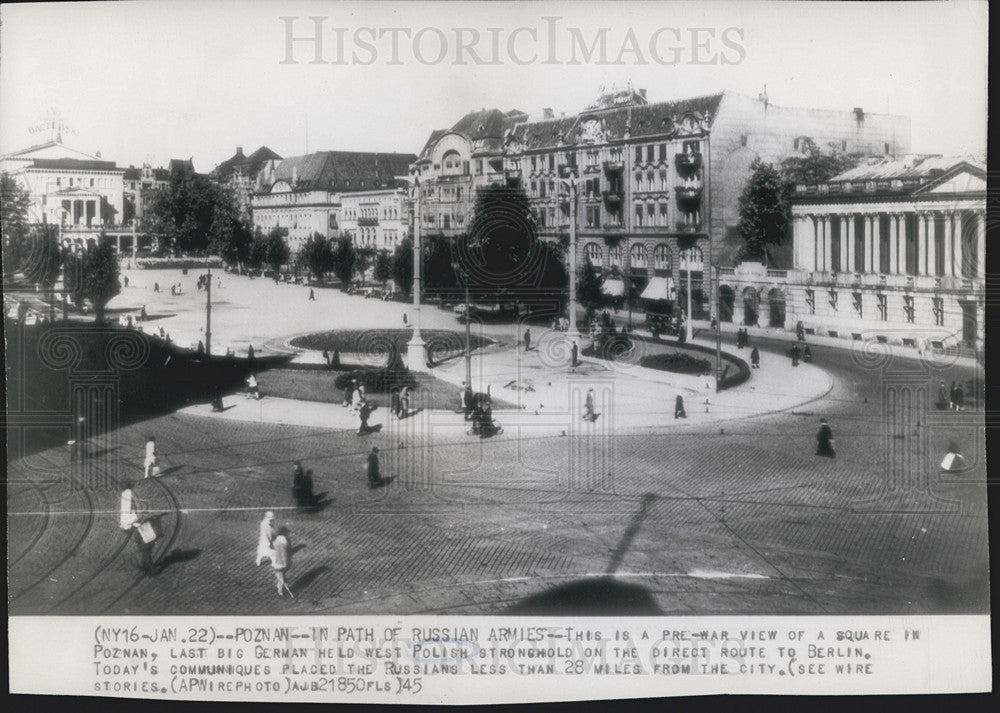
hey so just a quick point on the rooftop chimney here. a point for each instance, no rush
(642, 93)
(859, 114)
(548, 113)
(239, 150)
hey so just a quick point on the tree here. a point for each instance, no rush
(402, 266)
(815, 166)
(231, 235)
(344, 259)
(276, 251)
(93, 275)
(383, 266)
(589, 290)
(317, 256)
(765, 213)
(14, 203)
(365, 256)
(439, 276)
(257, 256)
(181, 214)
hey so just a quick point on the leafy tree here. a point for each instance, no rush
(276, 251)
(344, 259)
(93, 275)
(383, 266)
(257, 256)
(589, 292)
(402, 266)
(14, 202)
(181, 214)
(365, 257)
(47, 260)
(765, 213)
(231, 236)
(815, 166)
(317, 256)
(439, 276)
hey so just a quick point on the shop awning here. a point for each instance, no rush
(659, 288)
(613, 287)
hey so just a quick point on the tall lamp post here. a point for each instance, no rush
(468, 325)
(208, 314)
(416, 348)
(572, 182)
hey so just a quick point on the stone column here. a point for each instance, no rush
(981, 245)
(949, 243)
(958, 248)
(827, 246)
(921, 243)
(932, 243)
(871, 221)
(847, 243)
(893, 243)
(812, 260)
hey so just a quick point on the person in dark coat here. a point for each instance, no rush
(156, 287)
(312, 295)
(824, 440)
(364, 411)
(807, 355)
(588, 407)
(755, 358)
(679, 407)
(467, 400)
(574, 354)
(372, 467)
(250, 355)
(394, 403)
(302, 487)
(959, 397)
(527, 339)
(944, 398)
(794, 351)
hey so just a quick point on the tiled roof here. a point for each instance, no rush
(485, 128)
(181, 165)
(342, 170)
(132, 174)
(74, 164)
(248, 165)
(646, 120)
(915, 167)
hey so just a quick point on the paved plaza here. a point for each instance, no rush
(727, 511)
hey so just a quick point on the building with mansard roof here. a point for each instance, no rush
(238, 173)
(302, 194)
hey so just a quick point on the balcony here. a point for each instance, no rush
(688, 226)
(367, 222)
(616, 165)
(687, 162)
(612, 198)
(689, 194)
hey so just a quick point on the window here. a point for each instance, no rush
(663, 214)
(638, 215)
(638, 154)
(811, 301)
(661, 257)
(479, 167)
(833, 300)
(663, 152)
(541, 219)
(858, 304)
(534, 163)
(908, 308)
(593, 252)
(638, 255)
(882, 302)
(91, 182)
(638, 181)
(615, 255)
(649, 179)
(552, 162)
(593, 216)
(649, 153)
(938, 307)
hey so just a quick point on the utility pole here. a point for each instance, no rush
(572, 182)
(208, 314)
(416, 348)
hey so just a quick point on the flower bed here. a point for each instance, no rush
(677, 362)
(177, 263)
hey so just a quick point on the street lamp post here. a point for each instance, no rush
(468, 325)
(687, 321)
(572, 183)
(208, 314)
(416, 348)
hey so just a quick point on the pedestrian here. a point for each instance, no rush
(952, 393)
(142, 314)
(349, 393)
(163, 334)
(800, 331)
(217, 406)
(467, 399)
(807, 355)
(156, 287)
(126, 280)
(265, 539)
(943, 399)
(363, 413)
(173, 290)
(372, 469)
(795, 354)
(302, 486)
(250, 356)
(201, 347)
(679, 411)
(588, 406)
(404, 319)
(357, 398)
(252, 388)
(335, 359)
(527, 339)
(574, 353)
(824, 440)
(141, 530)
(755, 358)
(312, 295)
(149, 463)
(394, 403)
(281, 562)
(326, 358)
(404, 402)
(959, 397)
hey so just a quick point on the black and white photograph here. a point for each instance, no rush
(560, 330)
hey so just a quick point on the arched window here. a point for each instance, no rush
(638, 255)
(451, 163)
(691, 259)
(593, 251)
(661, 257)
(615, 255)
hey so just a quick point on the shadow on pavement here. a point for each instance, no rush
(176, 557)
(308, 577)
(603, 596)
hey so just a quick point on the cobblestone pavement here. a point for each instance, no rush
(735, 517)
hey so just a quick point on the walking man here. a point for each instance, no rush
(265, 540)
(312, 295)
(795, 354)
(574, 352)
(959, 397)
(679, 408)
(252, 388)
(372, 469)
(302, 486)
(364, 411)
(130, 523)
(527, 339)
(466, 400)
(588, 407)
(824, 440)
(156, 287)
(755, 358)
(944, 400)
(149, 464)
(281, 562)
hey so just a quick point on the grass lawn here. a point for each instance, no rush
(441, 343)
(317, 385)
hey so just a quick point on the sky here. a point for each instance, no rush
(149, 81)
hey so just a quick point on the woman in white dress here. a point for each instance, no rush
(265, 543)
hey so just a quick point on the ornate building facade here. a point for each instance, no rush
(375, 219)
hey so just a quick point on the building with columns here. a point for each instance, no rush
(891, 251)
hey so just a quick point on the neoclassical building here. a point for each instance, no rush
(890, 250)
(375, 219)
